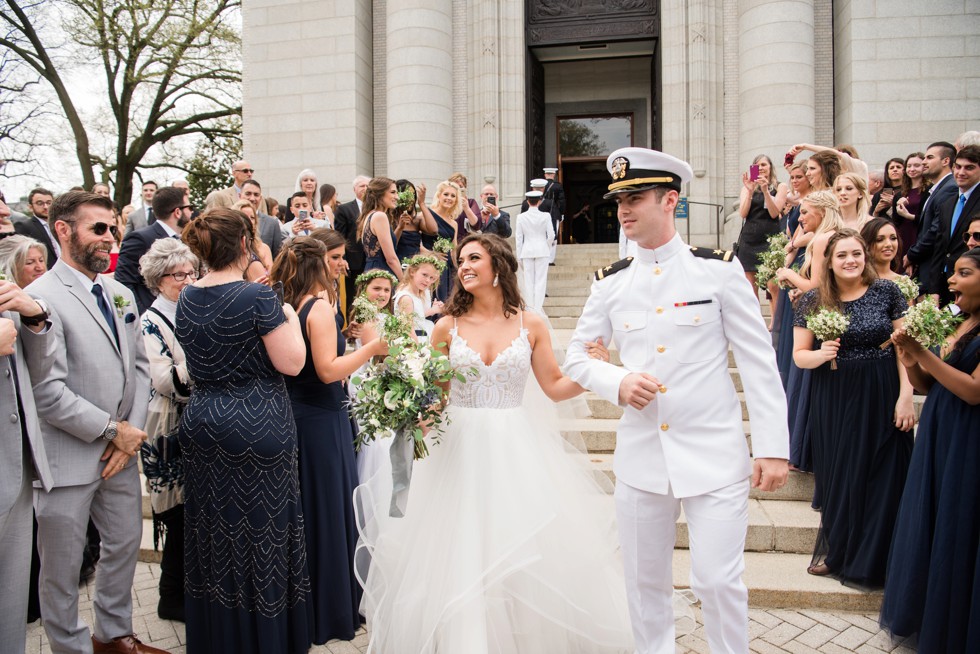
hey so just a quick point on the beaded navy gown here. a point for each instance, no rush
(932, 589)
(247, 587)
(327, 477)
(860, 458)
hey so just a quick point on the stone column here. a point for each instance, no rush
(420, 90)
(776, 78)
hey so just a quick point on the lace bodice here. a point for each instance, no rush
(497, 386)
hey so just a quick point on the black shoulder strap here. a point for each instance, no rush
(163, 318)
(709, 253)
(613, 268)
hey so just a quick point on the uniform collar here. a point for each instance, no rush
(664, 252)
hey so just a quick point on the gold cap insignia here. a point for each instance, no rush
(619, 167)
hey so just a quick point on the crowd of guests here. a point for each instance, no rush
(894, 514)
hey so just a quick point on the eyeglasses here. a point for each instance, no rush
(244, 170)
(99, 229)
(968, 235)
(181, 276)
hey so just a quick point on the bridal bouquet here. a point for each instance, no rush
(908, 286)
(406, 199)
(443, 246)
(930, 325)
(771, 260)
(828, 325)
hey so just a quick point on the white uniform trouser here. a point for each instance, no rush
(535, 281)
(717, 523)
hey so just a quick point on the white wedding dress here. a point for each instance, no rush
(508, 545)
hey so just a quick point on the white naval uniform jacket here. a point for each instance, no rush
(674, 315)
(534, 234)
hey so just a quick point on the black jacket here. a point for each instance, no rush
(134, 246)
(345, 222)
(31, 227)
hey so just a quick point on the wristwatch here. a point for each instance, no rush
(34, 321)
(110, 431)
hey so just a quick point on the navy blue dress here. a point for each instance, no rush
(860, 458)
(327, 477)
(247, 587)
(409, 244)
(932, 588)
(448, 278)
(374, 256)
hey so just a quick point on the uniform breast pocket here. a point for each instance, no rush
(699, 333)
(629, 333)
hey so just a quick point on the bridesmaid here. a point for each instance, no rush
(376, 229)
(445, 207)
(933, 574)
(414, 223)
(307, 268)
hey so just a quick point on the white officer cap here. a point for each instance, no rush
(550, 170)
(539, 183)
(639, 169)
(533, 194)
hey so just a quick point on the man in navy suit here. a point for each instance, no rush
(955, 214)
(172, 210)
(925, 253)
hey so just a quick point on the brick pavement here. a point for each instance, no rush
(772, 631)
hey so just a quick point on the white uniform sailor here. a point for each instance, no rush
(673, 312)
(534, 234)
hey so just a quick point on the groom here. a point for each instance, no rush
(674, 311)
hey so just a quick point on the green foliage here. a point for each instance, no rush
(930, 325)
(209, 169)
(771, 259)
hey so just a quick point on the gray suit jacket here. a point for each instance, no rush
(91, 380)
(270, 230)
(136, 220)
(15, 380)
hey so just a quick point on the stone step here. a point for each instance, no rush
(780, 580)
(565, 300)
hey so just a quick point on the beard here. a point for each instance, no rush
(87, 257)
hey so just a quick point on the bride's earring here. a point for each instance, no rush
(496, 281)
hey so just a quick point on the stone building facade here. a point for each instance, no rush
(497, 88)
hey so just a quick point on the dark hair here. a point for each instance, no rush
(361, 287)
(300, 268)
(252, 182)
(216, 235)
(373, 195)
(149, 181)
(66, 205)
(38, 191)
(331, 239)
(907, 181)
(297, 194)
(970, 153)
(504, 265)
(829, 291)
(327, 193)
(869, 234)
(947, 150)
(166, 200)
(887, 179)
(829, 162)
(964, 340)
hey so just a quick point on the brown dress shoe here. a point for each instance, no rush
(125, 645)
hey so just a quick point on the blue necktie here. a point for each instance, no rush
(956, 214)
(104, 308)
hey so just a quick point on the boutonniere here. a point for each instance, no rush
(121, 303)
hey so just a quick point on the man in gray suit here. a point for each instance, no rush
(270, 229)
(22, 457)
(143, 217)
(92, 405)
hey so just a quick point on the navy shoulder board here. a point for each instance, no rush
(613, 268)
(709, 253)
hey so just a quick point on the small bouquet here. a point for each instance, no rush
(828, 325)
(443, 246)
(363, 310)
(908, 286)
(406, 199)
(771, 260)
(396, 396)
(929, 325)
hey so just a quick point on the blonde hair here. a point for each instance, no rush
(245, 204)
(459, 197)
(832, 221)
(864, 200)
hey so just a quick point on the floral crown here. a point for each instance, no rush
(419, 259)
(366, 277)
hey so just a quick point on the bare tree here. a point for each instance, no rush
(171, 69)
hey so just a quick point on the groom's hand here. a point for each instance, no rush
(637, 389)
(769, 474)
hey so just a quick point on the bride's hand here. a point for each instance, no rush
(596, 350)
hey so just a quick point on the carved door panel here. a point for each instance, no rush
(534, 116)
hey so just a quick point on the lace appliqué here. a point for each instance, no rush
(497, 386)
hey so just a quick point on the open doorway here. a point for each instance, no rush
(588, 218)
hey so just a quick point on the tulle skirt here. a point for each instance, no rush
(508, 546)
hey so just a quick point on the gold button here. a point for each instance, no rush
(663, 389)
(661, 349)
(697, 318)
(660, 309)
(664, 427)
(657, 270)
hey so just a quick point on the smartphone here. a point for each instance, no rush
(280, 292)
(304, 214)
(491, 200)
(753, 172)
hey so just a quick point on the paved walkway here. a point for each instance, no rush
(771, 631)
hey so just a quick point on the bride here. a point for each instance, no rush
(508, 544)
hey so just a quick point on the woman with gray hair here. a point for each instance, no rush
(22, 259)
(167, 268)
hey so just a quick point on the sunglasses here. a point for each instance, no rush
(99, 229)
(968, 235)
(181, 276)
(245, 170)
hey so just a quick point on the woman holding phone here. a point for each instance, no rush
(760, 206)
